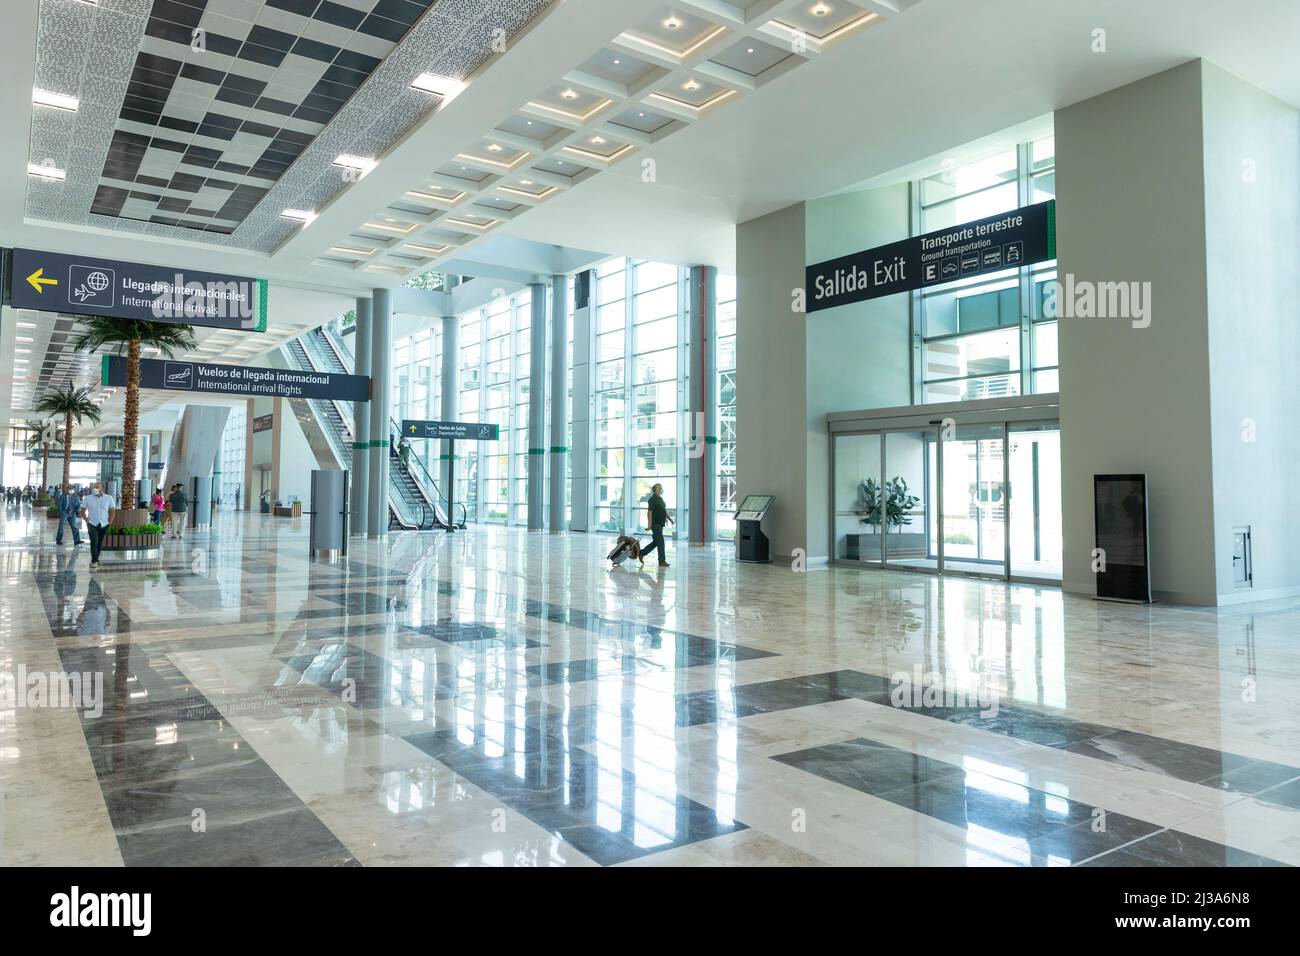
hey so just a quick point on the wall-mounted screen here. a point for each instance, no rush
(1120, 514)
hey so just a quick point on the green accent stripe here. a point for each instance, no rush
(537, 451)
(103, 371)
(710, 439)
(559, 450)
(263, 293)
(360, 445)
(1051, 229)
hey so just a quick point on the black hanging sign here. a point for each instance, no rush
(238, 380)
(1010, 239)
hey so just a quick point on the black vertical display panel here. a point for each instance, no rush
(1120, 519)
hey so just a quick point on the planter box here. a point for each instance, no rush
(901, 545)
(131, 542)
(130, 517)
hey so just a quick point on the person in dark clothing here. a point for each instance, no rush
(656, 518)
(180, 505)
(69, 505)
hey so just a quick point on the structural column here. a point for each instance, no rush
(580, 453)
(450, 386)
(559, 396)
(381, 396)
(537, 409)
(702, 443)
(360, 493)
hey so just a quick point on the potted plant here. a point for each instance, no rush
(887, 507)
(128, 336)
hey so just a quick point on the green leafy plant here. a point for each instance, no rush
(128, 336)
(891, 500)
(73, 403)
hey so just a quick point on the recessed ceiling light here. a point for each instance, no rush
(58, 101)
(303, 216)
(359, 163)
(525, 182)
(569, 95)
(672, 23)
(820, 10)
(530, 122)
(443, 86)
(690, 85)
(26, 325)
(750, 50)
(598, 140)
(41, 171)
(640, 114)
(493, 147)
(617, 62)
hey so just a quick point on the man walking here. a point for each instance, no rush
(656, 518)
(97, 509)
(180, 505)
(69, 505)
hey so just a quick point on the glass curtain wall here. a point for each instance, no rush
(416, 360)
(639, 385)
(232, 458)
(986, 337)
(726, 397)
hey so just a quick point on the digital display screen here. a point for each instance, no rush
(756, 503)
(1120, 510)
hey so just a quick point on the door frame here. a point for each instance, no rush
(1029, 410)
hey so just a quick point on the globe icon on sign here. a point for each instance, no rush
(97, 281)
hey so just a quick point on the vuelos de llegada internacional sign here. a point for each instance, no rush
(1006, 241)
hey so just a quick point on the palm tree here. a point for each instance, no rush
(129, 336)
(70, 402)
(39, 440)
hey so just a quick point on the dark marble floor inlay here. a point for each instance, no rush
(1006, 821)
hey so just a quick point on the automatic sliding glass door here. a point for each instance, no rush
(980, 499)
(973, 501)
(857, 496)
(911, 535)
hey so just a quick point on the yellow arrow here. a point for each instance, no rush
(37, 281)
(412, 429)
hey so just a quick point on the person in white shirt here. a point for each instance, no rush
(97, 509)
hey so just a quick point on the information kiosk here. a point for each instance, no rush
(751, 542)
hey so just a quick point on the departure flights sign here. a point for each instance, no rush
(472, 431)
(238, 380)
(86, 285)
(1005, 241)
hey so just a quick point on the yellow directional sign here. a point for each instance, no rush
(38, 281)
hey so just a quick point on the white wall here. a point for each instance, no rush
(1252, 221)
(771, 419)
(1130, 206)
(857, 354)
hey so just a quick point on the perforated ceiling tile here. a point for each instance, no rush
(199, 114)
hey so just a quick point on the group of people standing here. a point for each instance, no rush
(15, 495)
(96, 510)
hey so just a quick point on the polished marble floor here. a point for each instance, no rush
(500, 698)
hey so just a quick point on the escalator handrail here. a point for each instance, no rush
(424, 481)
(339, 443)
(343, 409)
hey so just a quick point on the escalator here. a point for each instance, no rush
(414, 500)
